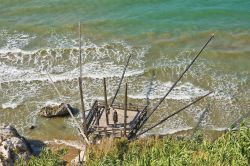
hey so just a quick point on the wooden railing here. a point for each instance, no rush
(130, 106)
(137, 123)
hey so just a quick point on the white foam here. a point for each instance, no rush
(72, 143)
(52, 103)
(11, 105)
(14, 42)
(183, 91)
(172, 131)
(92, 70)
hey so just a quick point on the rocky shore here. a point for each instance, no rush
(13, 147)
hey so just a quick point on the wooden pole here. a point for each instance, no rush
(124, 70)
(125, 109)
(106, 101)
(80, 81)
(80, 49)
(82, 106)
(72, 116)
(173, 86)
(163, 120)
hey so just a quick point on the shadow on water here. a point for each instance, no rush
(36, 146)
(202, 117)
(75, 111)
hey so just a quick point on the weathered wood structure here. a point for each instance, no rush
(97, 119)
(130, 117)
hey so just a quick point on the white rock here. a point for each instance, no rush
(12, 146)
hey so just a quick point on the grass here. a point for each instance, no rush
(233, 148)
(46, 158)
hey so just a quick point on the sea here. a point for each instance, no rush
(41, 38)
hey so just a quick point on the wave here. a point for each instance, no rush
(71, 143)
(11, 105)
(183, 91)
(96, 71)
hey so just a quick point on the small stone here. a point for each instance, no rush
(32, 127)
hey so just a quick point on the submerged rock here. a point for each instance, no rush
(55, 110)
(12, 146)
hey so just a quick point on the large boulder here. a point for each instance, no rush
(55, 110)
(12, 146)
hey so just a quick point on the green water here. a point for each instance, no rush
(163, 37)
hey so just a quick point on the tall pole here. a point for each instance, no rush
(172, 87)
(163, 120)
(106, 101)
(119, 86)
(80, 81)
(66, 106)
(125, 109)
(80, 50)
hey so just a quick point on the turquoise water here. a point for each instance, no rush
(163, 36)
(128, 17)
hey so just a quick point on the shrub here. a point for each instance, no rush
(46, 158)
(232, 148)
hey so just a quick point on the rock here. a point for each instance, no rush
(32, 127)
(12, 146)
(55, 110)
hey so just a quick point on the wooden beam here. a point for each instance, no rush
(175, 83)
(106, 101)
(125, 108)
(80, 81)
(72, 116)
(180, 110)
(124, 70)
(82, 106)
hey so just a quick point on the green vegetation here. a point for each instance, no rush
(233, 148)
(46, 158)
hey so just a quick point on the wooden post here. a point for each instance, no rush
(80, 50)
(97, 114)
(106, 101)
(82, 104)
(66, 106)
(105, 131)
(124, 70)
(79, 156)
(80, 81)
(125, 108)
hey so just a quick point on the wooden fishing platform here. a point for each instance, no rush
(130, 118)
(100, 122)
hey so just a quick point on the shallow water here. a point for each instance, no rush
(163, 37)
